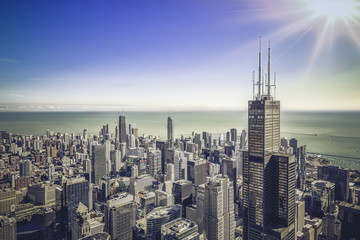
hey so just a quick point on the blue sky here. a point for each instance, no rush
(176, 55)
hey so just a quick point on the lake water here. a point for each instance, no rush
(337, 133)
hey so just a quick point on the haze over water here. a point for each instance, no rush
(337, 133)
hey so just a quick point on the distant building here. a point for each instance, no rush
(158, 217)
(155, 163)
(323, 198)
(340, 177)
(120, 216)
(25, 168)
(7, 228)
(122, 129)
(219, 218)
(170, 129)
(183, 193)
(76, 190)
(349, 216)
(197, 171)
(101, 162)
(82, 224)
(179, 229)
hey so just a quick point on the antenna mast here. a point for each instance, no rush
(269, 59)
(259, 67)
(253, 85)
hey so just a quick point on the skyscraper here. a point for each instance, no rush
(101, 165)
(170, 129)
(76, 190)
(219, 217)
(120, 216)
(122, 129)
(269, 177)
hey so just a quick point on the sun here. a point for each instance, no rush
(335, 10)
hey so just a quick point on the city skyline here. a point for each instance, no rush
(149, 55)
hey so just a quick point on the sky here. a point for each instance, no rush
(177, 55)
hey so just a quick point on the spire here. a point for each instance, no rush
(268, 75)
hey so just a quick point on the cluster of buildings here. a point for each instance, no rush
(120, 185)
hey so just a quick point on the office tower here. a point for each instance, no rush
(87, 168)
(349, 216)
(170, 129)
(229, 169)
(331, 227)
(243, 140)
(180, 165)
(155, 163)
(268, 176)
(233, 134)
(120, 216)
(122, 129)
(115, 157)
(76, 190)
(7, 228)
(300, 156)
(183, 193)
(178, 229)
(25, 168)
(85, 135)
(299, 217)
(117, 136)
(219, 217)
(170, 172)
(101, 162)
(340, 177)
(158, 217)
(82, 223)
(200, 207)
(323, 198)
(197, 171)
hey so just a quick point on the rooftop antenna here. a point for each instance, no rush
(268, 75)
(253, 85)
(259, 66)
(274, 85)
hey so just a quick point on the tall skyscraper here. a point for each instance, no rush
(170, 129)
(269, 177)
(122, 129)
(219, 217)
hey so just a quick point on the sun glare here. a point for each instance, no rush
(334, 10)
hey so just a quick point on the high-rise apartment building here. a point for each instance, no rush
(122, 129)
(219, 217)
(268, 176)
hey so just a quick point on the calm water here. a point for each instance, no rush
(338, 133)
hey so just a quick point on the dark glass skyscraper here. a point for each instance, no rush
(122, 129)
(170, 129)
(269, 177)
